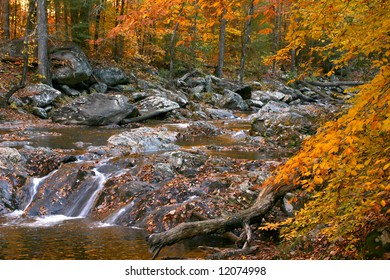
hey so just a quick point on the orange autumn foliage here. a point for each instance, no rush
(344, 169)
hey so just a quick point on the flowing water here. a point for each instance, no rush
(72, 235)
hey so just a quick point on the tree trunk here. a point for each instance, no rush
(264, 203)
(119, 40)
(80, 21)
(57, 11)
(66, 15)
(245, 41)
(339, 83)
(6, 20)
(43, 47)
(194, 37)
(16, 18)
(97, 25)
(22, 83)
(275, 36)
(221, 48)
(172, 47)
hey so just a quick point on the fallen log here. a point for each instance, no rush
(320, 93)
(264, 203)
(338, 83)
(149, 115)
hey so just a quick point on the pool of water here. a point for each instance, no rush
(59, 237)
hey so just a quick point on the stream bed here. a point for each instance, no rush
(75, 234)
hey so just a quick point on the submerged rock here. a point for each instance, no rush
(94, 110)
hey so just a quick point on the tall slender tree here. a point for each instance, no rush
(221, 44)
(43, 48)
(246, 39)
(5, 10)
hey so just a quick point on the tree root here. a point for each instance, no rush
(264, 203)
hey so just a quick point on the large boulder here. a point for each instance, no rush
(153, 103)
(232, 100)
(145, 140)
(177, 96)
(39, 95)
(70, 66)
(94, 110)
(111, 76)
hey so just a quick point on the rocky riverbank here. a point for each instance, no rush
(195, 148)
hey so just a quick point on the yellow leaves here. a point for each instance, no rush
(386, 166)
(318, 180)
(180, 43)
(383, 203)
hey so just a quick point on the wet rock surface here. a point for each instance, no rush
(94, 110)
(144, 140)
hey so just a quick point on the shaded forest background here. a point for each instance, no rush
(235, 38)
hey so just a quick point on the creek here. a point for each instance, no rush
(73, 233)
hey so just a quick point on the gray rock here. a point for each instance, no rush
(153, 103)
(39, 95)
(266, 96)
(254, 103)
(220, 114)
(197, 89)
(111, 76)
(137, 96)
(69, 91)
(16, 101)
(94, 110)
(187, 163)
(126, 88)
(287, 207)
(40, 112)
(70, 66)
(98, 87)
(232, 100)
(9, 156)
(271, 107)
(145, 140)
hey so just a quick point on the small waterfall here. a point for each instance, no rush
(36, 183)
(100, 180)
(115, 216)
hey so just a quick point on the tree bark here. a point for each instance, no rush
(172, 47)
(148, 116)
(6, 20)
(22, 83)
(43, 46)
(338, 83)
(275, 36)
(57, 11)
(221, 45)
(264, 203)
(245, 41)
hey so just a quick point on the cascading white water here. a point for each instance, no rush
(100, 180)
(115, 216)
(36, 183)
